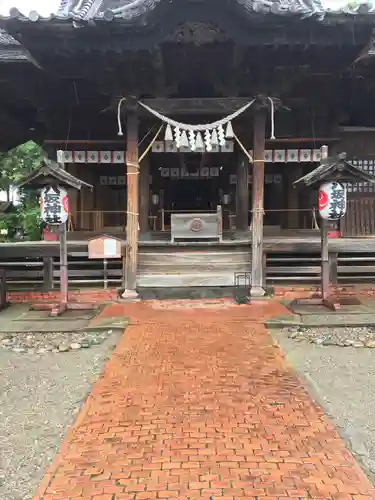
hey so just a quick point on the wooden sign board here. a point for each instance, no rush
(104, 247)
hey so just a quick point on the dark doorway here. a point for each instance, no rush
(193, 195)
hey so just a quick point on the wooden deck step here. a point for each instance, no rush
(186, 280)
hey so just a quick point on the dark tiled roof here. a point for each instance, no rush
(6, 39)
(132, 9)
(10, 49)
(338, 165)
(48, 172)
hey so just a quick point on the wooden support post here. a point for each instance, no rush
(292, 217)
(144, 196)
(132, 225)
(257, 289)
(324, 259)
(47, 273)
(242, 194)
(63, 268)
(73, 197)
(332, 259)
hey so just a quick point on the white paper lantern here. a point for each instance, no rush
(54, 205)
(332, 200)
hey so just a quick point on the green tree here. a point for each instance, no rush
(15, 165)
(18, 163)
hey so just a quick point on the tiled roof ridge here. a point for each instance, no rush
(6, 39)
(129, 9)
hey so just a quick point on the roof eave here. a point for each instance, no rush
(52, 169)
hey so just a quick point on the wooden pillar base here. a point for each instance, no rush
(130, 295)
(257, 291)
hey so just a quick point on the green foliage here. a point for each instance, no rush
(14, 166)
(29, 220)
(18, 163)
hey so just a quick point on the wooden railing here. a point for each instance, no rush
(360, 217)
(281, 268)
(358, 221)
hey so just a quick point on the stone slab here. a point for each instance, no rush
(72, 315)
(42, 326)
(105, 322)
(19, 319)
(327, 320)
(313, 310)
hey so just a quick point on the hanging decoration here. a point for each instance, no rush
(214, 139)
(168, 134)
(184, 140)
(199, 141)
(229, 131)
(202, 136)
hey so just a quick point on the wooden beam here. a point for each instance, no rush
(213, 106)
(160, 71)
(132, 225)
(303, 139)
(63, 142)
(257, 289)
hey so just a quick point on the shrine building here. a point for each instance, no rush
(192, 121)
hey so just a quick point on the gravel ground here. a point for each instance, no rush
(342, 379)
(39, 398)
(341, 336)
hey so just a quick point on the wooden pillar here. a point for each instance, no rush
(242, 194)
(47, 273)
(292, 216)
(73, 198)
(144, 196)
(257, 289)
(132, 171)
(63, 267)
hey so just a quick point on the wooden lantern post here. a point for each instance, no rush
(50, 174)
(324, 247)
(257, 289)
(337, 170)
(63, 268)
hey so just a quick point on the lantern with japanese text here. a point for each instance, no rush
(332, 200)
(54, 205)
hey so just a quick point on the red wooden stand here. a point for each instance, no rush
(327, 299)
(63, 305)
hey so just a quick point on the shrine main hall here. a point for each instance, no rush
(192, 121)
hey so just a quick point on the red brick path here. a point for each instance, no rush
(197, 403)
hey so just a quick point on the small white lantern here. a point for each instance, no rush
(54, 205)
(155, 199)
(226, 199)
(332, 200)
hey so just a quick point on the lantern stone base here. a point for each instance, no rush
(330, 302)
(59, 308)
